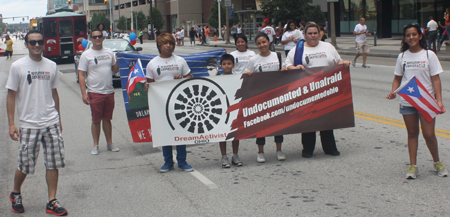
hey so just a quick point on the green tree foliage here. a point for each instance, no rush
(296, 10)
(141, 20)
(100, 18)
(122, 24)
(213, 19)
(157, 18)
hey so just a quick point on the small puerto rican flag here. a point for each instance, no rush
(136, 75)
(417, 95)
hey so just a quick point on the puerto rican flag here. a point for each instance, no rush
(417, 95)
(136, 75)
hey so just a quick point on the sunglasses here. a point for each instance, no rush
(412, 24)
(96, 36)
(33, 42)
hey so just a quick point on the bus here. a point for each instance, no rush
(63, 32)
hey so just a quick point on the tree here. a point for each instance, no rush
(213, 19)
(124, 24)
(100, 18)
(296, 10)
(158, 21)
(139, 17)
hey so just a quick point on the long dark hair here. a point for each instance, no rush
(288, 27)
(422, 42)
(243, 38)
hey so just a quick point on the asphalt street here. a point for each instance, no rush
(367, 179)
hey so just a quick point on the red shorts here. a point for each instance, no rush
(102, 106)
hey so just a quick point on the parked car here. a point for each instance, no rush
(116, 45)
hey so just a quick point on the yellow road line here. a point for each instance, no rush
(397, 123)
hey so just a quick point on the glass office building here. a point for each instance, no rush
(388, 17)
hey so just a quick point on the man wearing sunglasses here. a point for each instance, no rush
(31, 85)
(95, 70)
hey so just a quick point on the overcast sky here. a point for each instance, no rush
(20, 8)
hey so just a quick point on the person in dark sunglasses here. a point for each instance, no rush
(99, 63)
(31, 85)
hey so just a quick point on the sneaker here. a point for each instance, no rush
(365, 66)
(53, 207)
(442, 172)
(112, 148)
(412, 172)
(236, 161)
(186, 167)
(280, 156)
(95, 150)
(260, 158)
(225, 163)
(16, 200)
(166, 167)
(354, 63)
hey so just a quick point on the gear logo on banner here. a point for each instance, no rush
(197, 105)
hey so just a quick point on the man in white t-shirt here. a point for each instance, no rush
(432, 28)
(182, 36)
(95, 70)
(31, 85)
(271, 33)
(362, 47)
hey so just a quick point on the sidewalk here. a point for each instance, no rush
(386, 47)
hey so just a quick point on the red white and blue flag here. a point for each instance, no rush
(417, 95)
(136, 75)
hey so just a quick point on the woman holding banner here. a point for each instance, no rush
(410, 64)
(168, 66)
(265, 61)
(303, 56)
(242, 55)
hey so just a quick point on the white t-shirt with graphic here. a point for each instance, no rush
(33, 82)
(362, 37)
(324, 54)
(241, 60)
(269, 32)
(163, 69)
(97, 65)
(288, 34)
(264, 64)
(420, 65)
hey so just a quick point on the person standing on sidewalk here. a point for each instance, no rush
(9, 47)
(207, 32)
(432, 28)
(362, 46)
(414, 50)
(446, 26)
(31, 85)
(182, 36)
(99, 64)
(140, 35)
(168, 66)
(192, 35)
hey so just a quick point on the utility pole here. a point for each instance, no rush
(228, 5)
(131, 16)
(152, 30)
(220, 24)
(333, 22)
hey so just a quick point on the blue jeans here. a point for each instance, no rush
(181, 154)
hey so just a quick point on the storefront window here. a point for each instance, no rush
(403, 14)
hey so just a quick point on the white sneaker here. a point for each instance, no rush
(95, 150)
(354, 63)
(225, 163)
(260, 158)
(442, 172)
(112, 148)
(412, 172)
(280, 156)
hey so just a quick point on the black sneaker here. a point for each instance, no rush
(53, 207)
(16, 200)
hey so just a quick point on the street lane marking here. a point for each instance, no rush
(204, 180)
(397, 123)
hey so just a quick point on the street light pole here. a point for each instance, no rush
(131, 16)
(220, 24)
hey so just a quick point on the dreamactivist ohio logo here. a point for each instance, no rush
(197, 105)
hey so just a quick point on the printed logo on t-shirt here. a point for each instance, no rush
(39, 75)
(414, 64)
(243, 58)
(267, 67)
(319, 55)
(101, 58)
(166, 68)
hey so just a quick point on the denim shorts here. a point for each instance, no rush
(408, 110)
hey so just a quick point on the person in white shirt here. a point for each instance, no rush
(362, 47)
(239, 30)
(31, 85)
(432, 28)
(316, 53)
(95, 70)
(416, 60)
(288, 39)
(242, 55)
(270, 32)
(265, 61)
(101, 27)
(168, 66)
(182, 36)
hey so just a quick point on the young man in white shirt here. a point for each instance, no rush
(31, 85)
(362, 46)
(432, 28)
(100, 64)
